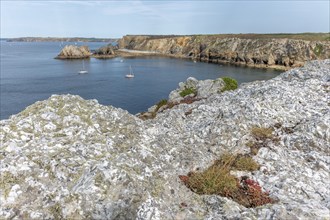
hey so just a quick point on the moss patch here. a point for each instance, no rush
(230, 84)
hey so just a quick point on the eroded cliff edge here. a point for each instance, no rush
(251, 50)
(66, 157)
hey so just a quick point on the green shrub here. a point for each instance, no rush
(188, 91)
(230, 84)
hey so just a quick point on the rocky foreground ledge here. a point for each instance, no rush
(70, 158)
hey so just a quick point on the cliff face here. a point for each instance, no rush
(70, 158)
(263, 52)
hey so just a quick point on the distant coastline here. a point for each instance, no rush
(59, 39)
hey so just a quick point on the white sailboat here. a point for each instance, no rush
(83, 71)
(131, 74)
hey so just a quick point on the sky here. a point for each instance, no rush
(114, 19)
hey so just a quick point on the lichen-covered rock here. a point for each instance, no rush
(200, 89)
(66, 157)
(74, 52)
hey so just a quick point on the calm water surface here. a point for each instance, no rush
(29, 73)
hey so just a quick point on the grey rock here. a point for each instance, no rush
(206, 88)
(203, 88)
(66, 157)
(175, 96)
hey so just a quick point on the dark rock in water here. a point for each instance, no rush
(74, 52)
(70, 158)
(106, 50)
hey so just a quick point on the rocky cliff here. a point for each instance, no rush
(70, 158)
(251, 50)
(74, 52)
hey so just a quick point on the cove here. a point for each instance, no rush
(29, 73)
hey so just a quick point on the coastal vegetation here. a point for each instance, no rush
(160, 104)
(230, 84)
(188, 91)
(217, 179)
(318, 49)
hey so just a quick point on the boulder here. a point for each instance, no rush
(202, 88)
(206, 88)
(74, 52)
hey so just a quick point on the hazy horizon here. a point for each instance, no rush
(164, 35)
(114, 19)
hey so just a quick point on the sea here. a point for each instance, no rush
(29, 73)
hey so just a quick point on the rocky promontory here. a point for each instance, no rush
(70, 158)
(74, 52)
(271, 51)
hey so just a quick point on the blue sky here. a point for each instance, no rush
(118, 18)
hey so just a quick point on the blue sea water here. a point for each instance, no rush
(29, 73)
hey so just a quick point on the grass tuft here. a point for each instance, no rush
(188, 91)
(244, 162)
(262, 133)
(230, 84)
(212, 181)
(160, 104)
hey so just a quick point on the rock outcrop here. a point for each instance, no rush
(74, 52)
(69, 158)
(251, 51)
(106, 51)
(188, 92)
